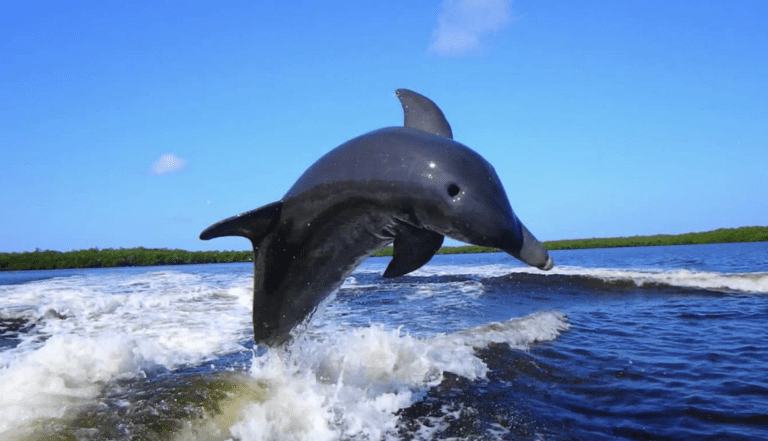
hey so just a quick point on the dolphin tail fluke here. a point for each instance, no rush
(254, 224)
(420, 112)
(412, 248)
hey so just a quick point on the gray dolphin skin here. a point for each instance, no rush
(408, 186)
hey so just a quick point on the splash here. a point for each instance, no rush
(142, 354)
(352, 385)
(104, 329)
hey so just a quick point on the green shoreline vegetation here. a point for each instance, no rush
(106, 258)
(96, 258)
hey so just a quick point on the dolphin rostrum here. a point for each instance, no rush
(409, 186)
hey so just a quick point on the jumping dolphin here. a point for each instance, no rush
(409, 186)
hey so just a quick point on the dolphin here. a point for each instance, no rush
(407, 186)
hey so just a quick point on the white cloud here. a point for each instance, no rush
(167, 164)
(462, 22)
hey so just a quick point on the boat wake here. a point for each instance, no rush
(156, 356)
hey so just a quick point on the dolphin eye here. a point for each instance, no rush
(453, 190)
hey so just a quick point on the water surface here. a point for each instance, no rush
(623, 343)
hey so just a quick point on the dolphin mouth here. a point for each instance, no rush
(531, 252)
(535, 256)
(548, 264)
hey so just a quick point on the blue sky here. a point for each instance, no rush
(132, 123)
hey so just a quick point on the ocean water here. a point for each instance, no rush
(627, 343)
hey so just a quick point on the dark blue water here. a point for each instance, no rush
(659, 343)
(667, 347)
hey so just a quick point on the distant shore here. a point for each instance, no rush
(96, 258)
(722, 235)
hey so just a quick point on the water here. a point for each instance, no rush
(629, 343)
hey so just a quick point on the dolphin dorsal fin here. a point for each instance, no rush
(412, 248)
(254, 224)
(420, 112)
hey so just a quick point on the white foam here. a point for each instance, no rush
(113, 327)
(467, 290)
(743, 282)
(61, 377)
(517, 333)
(350, 385)
(431, 270)
(337, 382)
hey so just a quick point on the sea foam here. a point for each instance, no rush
(335, 381)
(107, 328)
(352, 384)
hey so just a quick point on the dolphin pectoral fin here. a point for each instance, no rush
(420, 112)
(254, 224)
(412, 248)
